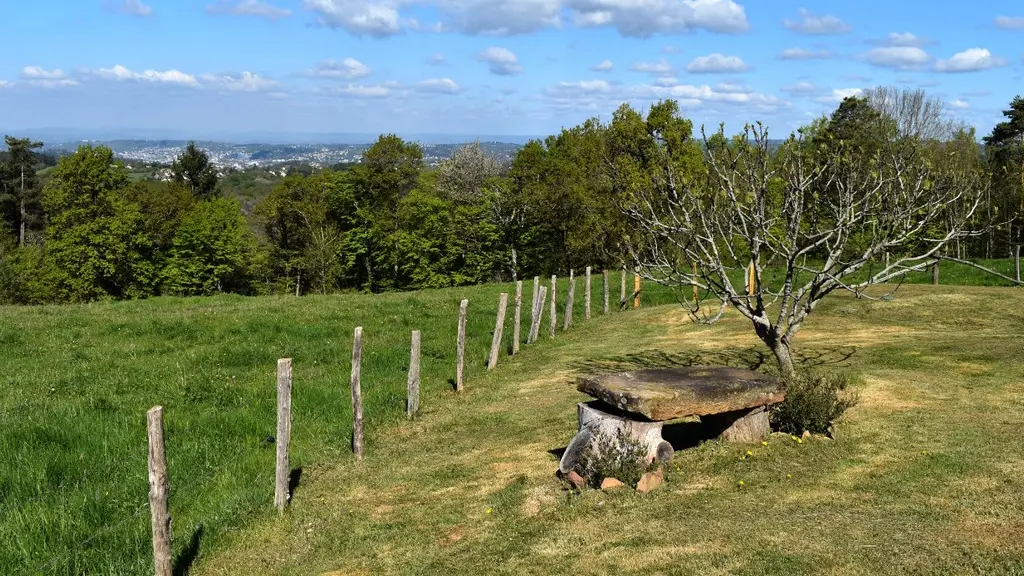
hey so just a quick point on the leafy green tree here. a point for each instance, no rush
(96, 239)
(19, 194)
(211, 250)
(389, 170)
(1005, 148)
(192, 168)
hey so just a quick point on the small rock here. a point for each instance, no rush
(807, 434)
(611, 484)
(650, 481)
(575, 480)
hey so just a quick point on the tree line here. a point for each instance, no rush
(89, 232)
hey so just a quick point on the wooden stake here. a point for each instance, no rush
(636, 291)
(499, 327)
(554, 308)
(541, 299)
(284, 432)
(622, 289)
(586, 297)
(461, 346)
(935, 273)
(750, 279)
(567, 317)
(533, 304)
(604, 284)
(412, 403)
(159, 487)
(357, 393)
(518, 318)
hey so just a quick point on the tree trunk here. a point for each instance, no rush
(783, 357)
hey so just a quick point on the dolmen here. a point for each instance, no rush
(732, 404)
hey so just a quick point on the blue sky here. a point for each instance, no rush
(489, 66)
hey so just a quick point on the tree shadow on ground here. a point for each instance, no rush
(750, 358)
(187, 557)
(293, 482)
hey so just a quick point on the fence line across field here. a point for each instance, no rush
(159, 481)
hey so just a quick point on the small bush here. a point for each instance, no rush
(813, 402)
(613, 456)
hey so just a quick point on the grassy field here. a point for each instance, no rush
(938, 368)
(924, 477)
(78, 379)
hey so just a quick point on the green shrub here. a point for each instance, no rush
(613, 456)
(813, 401)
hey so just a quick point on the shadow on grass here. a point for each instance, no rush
(293, 482)
(183, 562)
(750, 358)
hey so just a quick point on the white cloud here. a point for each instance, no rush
(1010, 22)
(960, 104)
(244, 82)
(37, 73)
(436, 59)
(439, 85)
(358, 17)
(716, 63)
(800, 88)
(840, 94)
(903, 39)
(248, 8)
(501, 61)
(135, 8)
(360, 91)
(347, 69)
(803, 54)
(643, 19)
(733, 88)
(498, 17)
(4, 84)
(583, 87)
(816, 24)
(657, 68)
(42, 78)
(603, 66)
(119, 72)
(670, 49)
(970, 60)
(899, 57)
(666, 81)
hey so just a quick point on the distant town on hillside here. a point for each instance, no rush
(227, 155)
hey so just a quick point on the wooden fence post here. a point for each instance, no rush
(499, 327)
(554, 308)
(567, 317)
(533, 304)
(412, 403)
(1016, 262)
(604, 279)
(636, 291)
(518, 318)
(541, 299)
(159, 487)
(622, 290)
(586, 297)
(751, 279)
(935, 273)
(461, 347)
(284, 432)
(357, 393)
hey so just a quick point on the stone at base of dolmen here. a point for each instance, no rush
(739, 425)
(596, 418)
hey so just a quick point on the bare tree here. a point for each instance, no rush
(809, 220)
(463, 176)
(914, 113)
